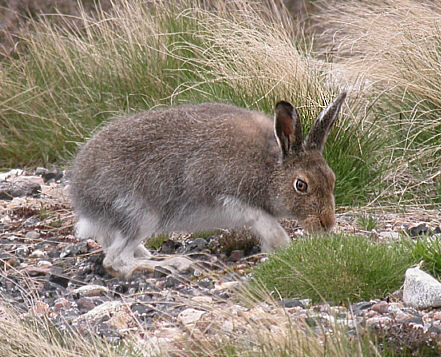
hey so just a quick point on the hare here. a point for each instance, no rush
(199, 167)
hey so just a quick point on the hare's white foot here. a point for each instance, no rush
(127, 268)
(142, 252)
(271, 233)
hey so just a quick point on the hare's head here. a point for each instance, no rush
(306, 189)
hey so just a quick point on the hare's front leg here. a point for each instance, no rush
(270, 231)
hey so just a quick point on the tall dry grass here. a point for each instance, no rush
(72, 76)
(394, 48)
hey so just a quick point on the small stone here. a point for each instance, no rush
(288, 303)
(61, 303)
(31, 222)
(418, 230)
(190, 316)
(22, 250)
(226, 285)
(38, 253)
(90, 290)
(437, 316)
(57, 276)
(85, 304)
(31, 235)
(9, 190)
(359, 307)
(200, 243)
(227, 326)
(389, 235)
(421, 290)
(44, 264)
(172, 281)
(168, 247)
(382, 307)
(92, 244)
(36, 271)
(236, 255)
(54, 174)
(378, 321)
(98, 312)
(41, 308)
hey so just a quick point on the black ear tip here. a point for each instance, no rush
(284, 105)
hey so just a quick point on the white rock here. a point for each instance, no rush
(421, 290)
(32, 235)
(44, 264)
(190, 316)
(14, 172)
(90, 290)
(390, 235)
(226, 285)
(227, 326)
(107, 308)
(37, 253)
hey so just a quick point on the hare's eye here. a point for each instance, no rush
(300, 186)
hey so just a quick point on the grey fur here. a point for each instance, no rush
(191, 168)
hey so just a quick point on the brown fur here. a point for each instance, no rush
(195, 167)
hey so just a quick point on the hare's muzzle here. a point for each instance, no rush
(324, 221)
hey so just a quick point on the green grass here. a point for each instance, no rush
(68, 80)
(366, 222)
(336, 268)
(428, 250)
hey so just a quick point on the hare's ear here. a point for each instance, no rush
(316, 138)
(287, 128)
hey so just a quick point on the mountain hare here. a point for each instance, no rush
(199, 167)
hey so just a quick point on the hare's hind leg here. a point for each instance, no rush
(127, 254)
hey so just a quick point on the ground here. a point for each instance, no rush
(47, 271)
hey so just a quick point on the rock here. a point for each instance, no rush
(37, 253)
(421, 290)
(85, 304)
(57, 276)
(22, 250)
(389, 235)
(236, 255)
(36, 271)
(75, 249)
(31, 235)
(226, 285)
(359, 307)
(41, 308)
(90, 290)
(172, 281)
(199, 243)
(168, 247)
(61, 303)
(11, 173)
(379, 321)
(9, 190)
(382, 307)
(418, 230)
(291, 303)
(53, 174)
(44, 264)
(190, 316)
(98, 312)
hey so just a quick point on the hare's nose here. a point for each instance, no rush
(327, 220)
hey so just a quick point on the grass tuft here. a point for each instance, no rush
(336, 268)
